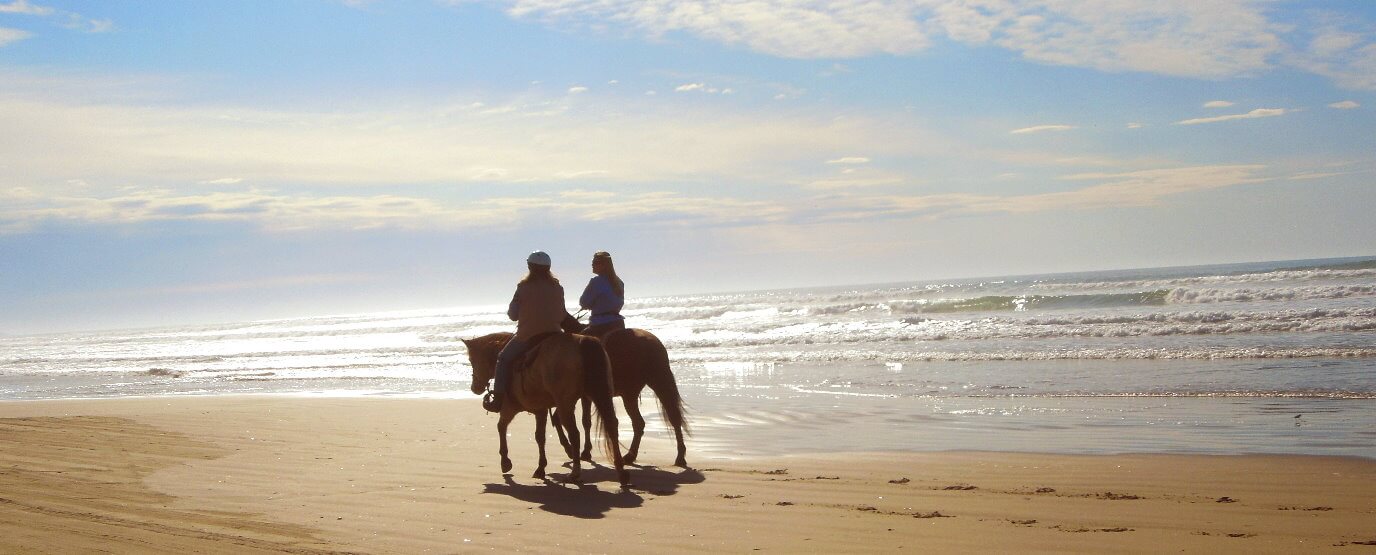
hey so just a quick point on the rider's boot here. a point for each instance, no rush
(492, 402)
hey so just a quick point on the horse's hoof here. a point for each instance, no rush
(575, 476)
(539, 474)
(506, 465)
(681, 463)
(624, 477)
(586, 457)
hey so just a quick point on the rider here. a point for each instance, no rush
(537, 307)
(604, 297)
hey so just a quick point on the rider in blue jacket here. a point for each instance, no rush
(603, 297)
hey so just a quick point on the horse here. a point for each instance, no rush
(638, 359)
(563, 368)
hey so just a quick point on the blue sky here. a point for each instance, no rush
(179, 162)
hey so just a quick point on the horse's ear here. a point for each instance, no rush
(466, 342)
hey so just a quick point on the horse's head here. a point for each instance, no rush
(482, 356)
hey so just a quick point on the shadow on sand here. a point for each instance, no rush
(585, 500)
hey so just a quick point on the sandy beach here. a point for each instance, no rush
(248, 474)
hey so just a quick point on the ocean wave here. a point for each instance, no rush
(1124, 353)
(1221, 295)
(1278, 276)
(908, 329)
(990, 303)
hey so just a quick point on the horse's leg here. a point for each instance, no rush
(681, 461)
(502, 422)
(559, 429)
(540, 417)
(587, 430)
(566, 418)
(632, 404)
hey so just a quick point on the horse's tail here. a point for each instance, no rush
(597, 385)
(660, 378)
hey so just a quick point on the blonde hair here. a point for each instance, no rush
(536, 272)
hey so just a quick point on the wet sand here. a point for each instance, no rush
(307, 475)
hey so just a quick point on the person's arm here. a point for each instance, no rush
(513, 310)
(589, 296)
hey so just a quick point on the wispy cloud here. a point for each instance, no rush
(1041, 129)
(453, 142)
(1257, 113)
(1342, 51)
(223, 181)
(1211, 40)
(24, 7)
(1345, 105)
(1217, 104)
(8, 35)
(283, 212)
(777, 27)
(577, 90)
(69, 20)
(1113, 190)
(703, 88)
(850, 160)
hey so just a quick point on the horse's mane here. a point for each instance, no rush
(494, 341)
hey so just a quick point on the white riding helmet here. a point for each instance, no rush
(538, 258)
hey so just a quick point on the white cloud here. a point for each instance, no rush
(70, 20)
(1221, 38)
(849, 160)
(702, 88)
(1114, 190)
(1040, 129)
(51, 137)
(24, 7)
(223, 181)
(1217, 104)
(1134, 125)
(1216, 39)
(1345, 105)
(1348, 57)
(577, 90)
(1257, 113)
(1315, 175)
(806, 29)
(8, 35)
(90, 25)
(23, 209)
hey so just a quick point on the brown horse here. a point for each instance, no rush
(638, 359)
(565, 368)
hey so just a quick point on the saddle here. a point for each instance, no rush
(490, 401)
(532, 351)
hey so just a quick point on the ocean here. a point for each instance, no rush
(1273, 357)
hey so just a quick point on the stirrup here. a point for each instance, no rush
(492, 402)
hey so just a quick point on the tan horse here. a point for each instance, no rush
(638, 360)
(565, 368)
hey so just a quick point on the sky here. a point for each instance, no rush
(167, 163)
